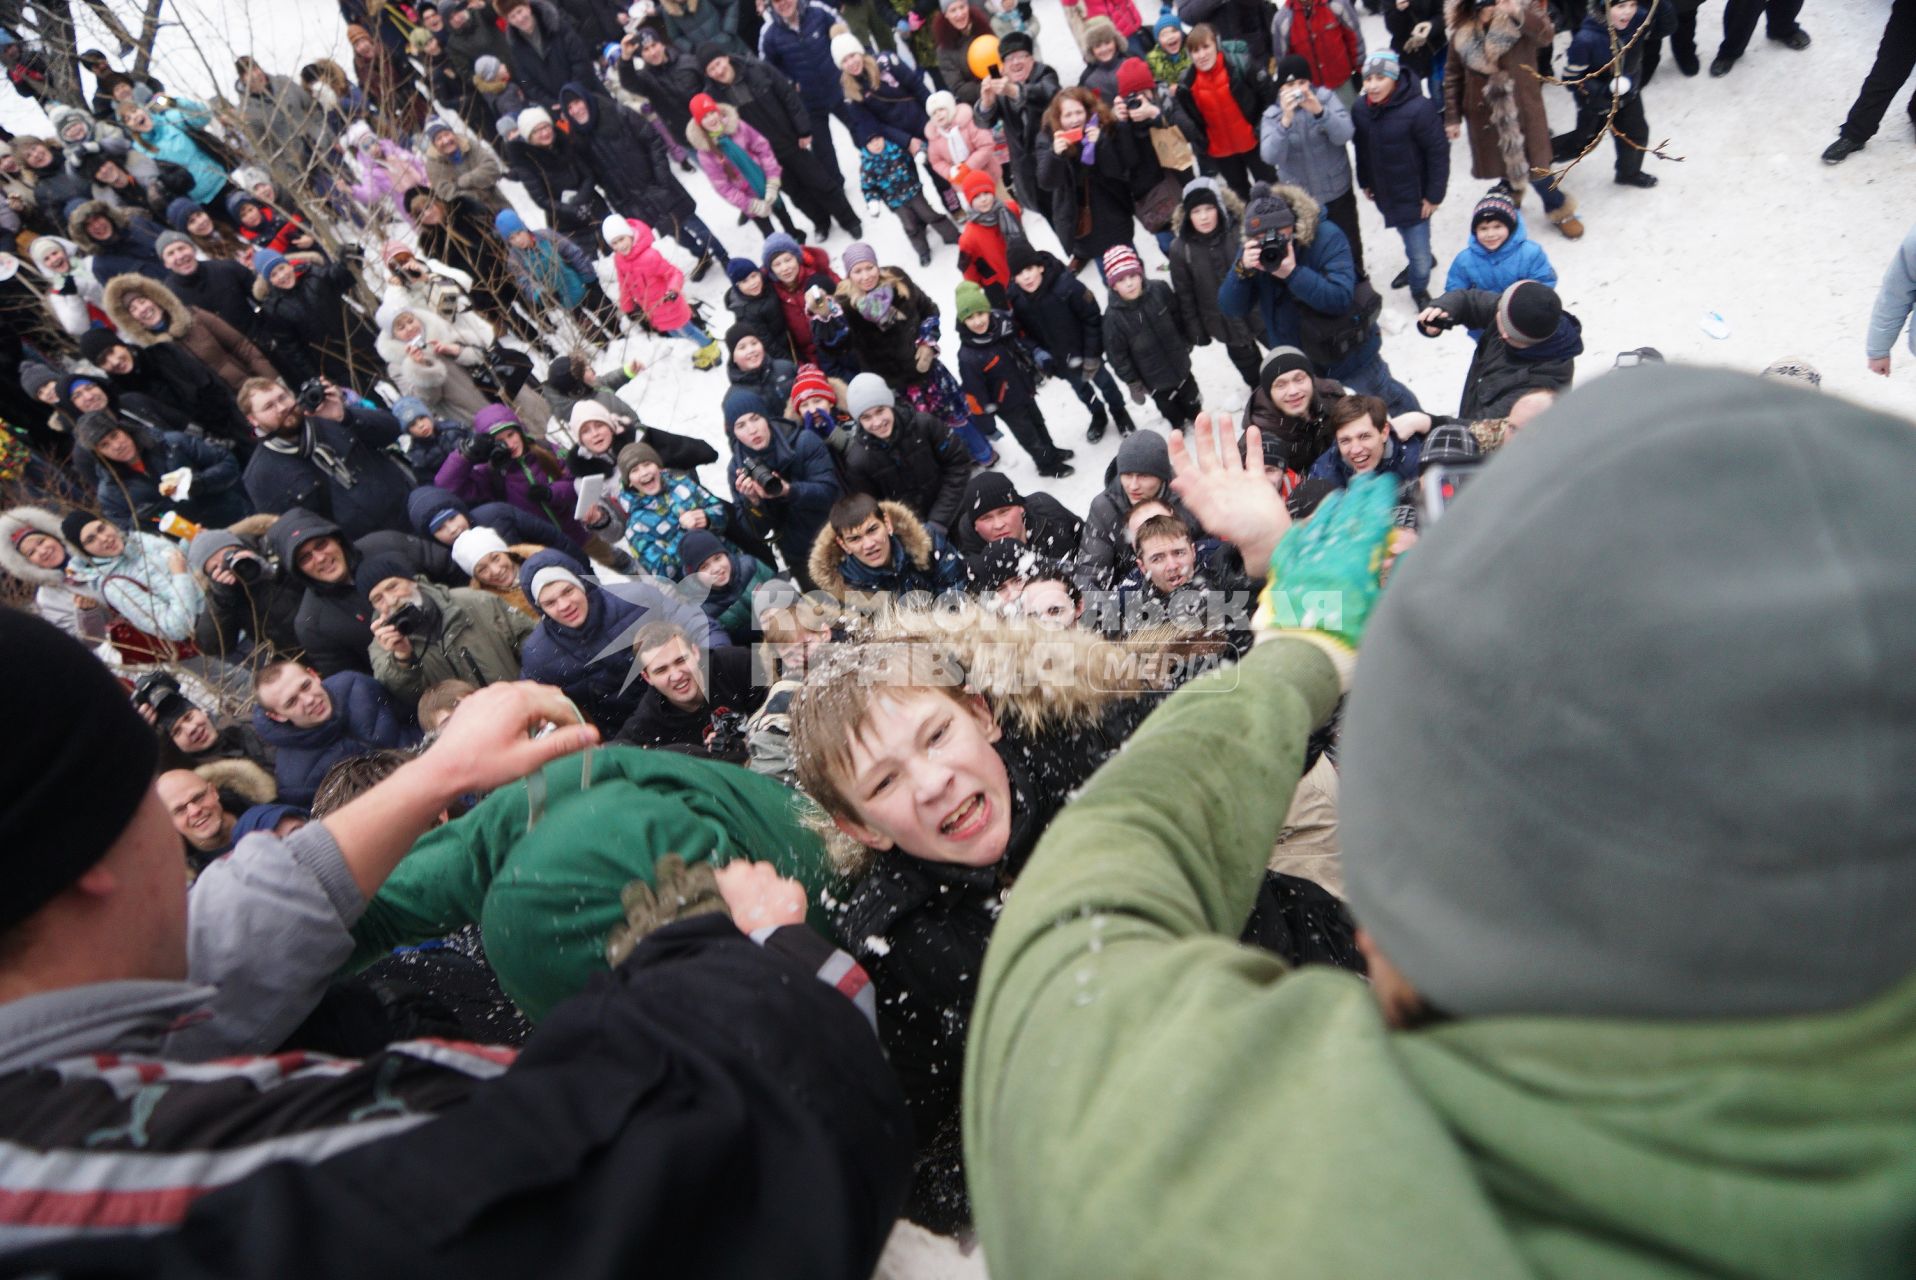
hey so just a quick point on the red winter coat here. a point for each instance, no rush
(815, 267)
(1326, 39)
(982, 259)
(648, 283)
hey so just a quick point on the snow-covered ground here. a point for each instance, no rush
(1751, 226)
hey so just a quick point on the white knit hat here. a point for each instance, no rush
(474, 545)
(532, 117)
(589, 410)
(844, 45)
(614, 226)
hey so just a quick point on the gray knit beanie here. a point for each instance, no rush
(166, 238)
(1636, 742)
(206, 545)
(868, 391)
(1145, 453)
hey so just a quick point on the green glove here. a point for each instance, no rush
(1324, 573)
(682, 892)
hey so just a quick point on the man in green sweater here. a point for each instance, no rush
(1628, 824)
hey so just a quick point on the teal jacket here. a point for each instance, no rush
(169, 140)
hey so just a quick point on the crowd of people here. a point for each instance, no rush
(434, 693)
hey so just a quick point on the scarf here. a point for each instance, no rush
(876, 305)
(956, 144)
(307, 445)
(741, 160)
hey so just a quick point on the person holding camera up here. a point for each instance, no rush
(249, 602)
(1295, 272)
(1305, 136)
(1529, 342)
(783, 479)
(500, 463)
(319, 453)
(423, 634)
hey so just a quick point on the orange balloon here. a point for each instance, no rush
(983, 57)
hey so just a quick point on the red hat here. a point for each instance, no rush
(1121, 260)
(811, 381)
(703, 105)
(1134, 76)
(975, 183)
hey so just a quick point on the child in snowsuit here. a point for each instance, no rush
(650, 285)
(888, 177)
(1143, 340)
(1000, 378)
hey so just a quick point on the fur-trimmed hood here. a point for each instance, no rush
(1096, 31)
(240, 777)
(77, 220)
(1233, 210)
(121, 290)
(828, 558)
(41, 520)
(305, 258)
(1304, 208)
(699, 140)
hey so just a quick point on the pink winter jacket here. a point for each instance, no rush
(645, 278)
(979, 151)
(379, 182)
(725, 179)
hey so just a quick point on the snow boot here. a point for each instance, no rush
(704, 265)
(1121, 416)
(1566, 220)
(708, 356)
(1095, 432)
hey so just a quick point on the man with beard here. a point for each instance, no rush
(327, 457)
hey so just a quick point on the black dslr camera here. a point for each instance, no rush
(159, 691)
(312, 394)
(408, 620)
(1272, 245)
(765, 478)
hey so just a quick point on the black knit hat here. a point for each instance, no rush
(375, 569)
(1498, 205)
(1201, 193)
(1267, 211)
(1283, 360)
(1016, 42)
(561, 378)
(78, 764)
(1020, 254)
(1529, 312)
(707, 50)
(73, 522)
(989, 491)
(95, 342)
(1291, 67)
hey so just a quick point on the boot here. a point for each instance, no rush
(704, 265)
(1567, 221)
(1840, 150)
(708, 355)
(1095, 432)
(1122, 417)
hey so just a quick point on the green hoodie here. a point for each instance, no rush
(539, 865)
(1145, 1098)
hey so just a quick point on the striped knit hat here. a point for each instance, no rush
(1497, 206)
(1121, 260)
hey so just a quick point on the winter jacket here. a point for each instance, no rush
(811, 478)
(890, 100)
(730, 686)
(387, 172)
(1587, 63)
(560, 179)
(1466, 103)
(771, 104)
(765, 316)
(429, 503)
(690, 23)
(652, 529)
(803, 53)
(477, 639)
(676, 452)
(129, 249)
(730, 606)
(337, 337)
(473, 171)
(995, 367)
(334, 622)
(629, 160)
(1051, 531)
(1098, 186)
(731, 183)
(920, 466)
(230, 356)
(1400, 460)
(1122, 14)
(814, 269)
(1249, 91)
(265, 612)
(952, 51)
(55, 598)
(889, 175)
(554, 272)
(1324, 279)
(1500, 373)
(1199, 265)
(129, 494)
(1103, 555)
(649, 285)
(226, 290)
(1061, 316)
(517, 483)
(1143, 340)
(368, 496)
(921, 561)
(285, 124)
(1402, 22)
(1314, 152)
(1403, 157)
(140, 585)
(965, 142)
(1894, 301)
(1325, 33)
(1517, 258)
(1023, 121)
(584, 661)
(984, 254)
(563, 55)
(889, 347)
(1303, 438)
(669, 87)
(74, 297)
(364, 719)
(772, 379)
(170, 140)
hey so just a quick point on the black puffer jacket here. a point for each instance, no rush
(770, 103)
(1144, 339)
(890, 350)
(266, 612)
(562, 56)
(1062, 316)
(1199, 264)
(1500, 373)
(551, 173)
(1051, 530)
(334, 622)
(921, 464)
(669, 87)
(336, 335)
(629, 159)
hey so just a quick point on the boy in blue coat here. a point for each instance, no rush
(1500, 252)
(1403, 162)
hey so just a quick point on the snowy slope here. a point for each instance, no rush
(1751, 225)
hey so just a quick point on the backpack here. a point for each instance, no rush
(1326, 338)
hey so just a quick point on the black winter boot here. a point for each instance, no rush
(1095, 432)
(1122, 417)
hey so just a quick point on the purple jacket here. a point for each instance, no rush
(511, 482)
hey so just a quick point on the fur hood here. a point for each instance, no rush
(828, 557)
(305, 258)
(253, 526)
(241, 778)
(1233, 211)
(699, 140)
(1096, 31)
(77, 220)
(1304, 208)
(19, 566)
(904, 292)
(121, 290)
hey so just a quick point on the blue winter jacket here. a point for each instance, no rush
(428, 501)
(1403, 157)
(896, 108)
(364, 719)
(1517, 258)
(1401, 459)
(170, 140)
(1325, 279)
(804, 55)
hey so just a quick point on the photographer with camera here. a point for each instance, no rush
(249, 602)
(423, 633)
(1305, 135)
(689, 690)
(783, 479)
(500, 463)
(1295, 272)
(325, 455)
(1529, 342)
